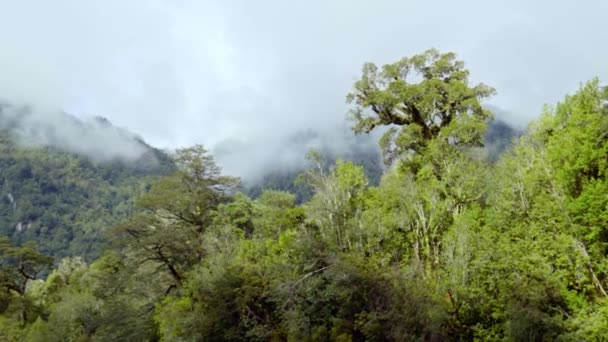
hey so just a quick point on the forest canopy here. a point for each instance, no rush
(452, 244)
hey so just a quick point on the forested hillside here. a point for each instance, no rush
(64, 201)
(455, 243)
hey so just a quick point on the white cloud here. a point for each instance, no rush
(184, 72)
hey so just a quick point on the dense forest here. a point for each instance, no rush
(454, 242)
(64, 201)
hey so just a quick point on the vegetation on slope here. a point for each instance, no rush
(449, 246)
(64, 201)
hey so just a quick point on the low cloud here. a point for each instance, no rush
(256, 73)
(95, 138)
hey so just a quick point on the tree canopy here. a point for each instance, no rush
(427, 95)
(452, 245)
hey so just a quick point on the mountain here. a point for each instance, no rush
(499, 138)
(64, 198)
(337, 144)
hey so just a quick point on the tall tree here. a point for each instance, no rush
(428, 96)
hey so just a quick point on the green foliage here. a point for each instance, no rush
(441, 105)
(178, 210)
(335, 207)
(20, 264)
(449, 246)
(65, 202)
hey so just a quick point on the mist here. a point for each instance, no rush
(243, 78)
(95, 138)
(287, 154)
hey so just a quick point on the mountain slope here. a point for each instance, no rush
(64, 201)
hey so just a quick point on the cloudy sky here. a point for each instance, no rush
(179, 72)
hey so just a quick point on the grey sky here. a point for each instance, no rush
(183, 71)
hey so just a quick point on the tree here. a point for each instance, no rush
(190, 195)
(21, 264)
(574, 133)
(276, 212)
(337, 202)
(441, 104)
(176, 212)
(435, 121)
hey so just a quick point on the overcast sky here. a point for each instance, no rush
(183, 71)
